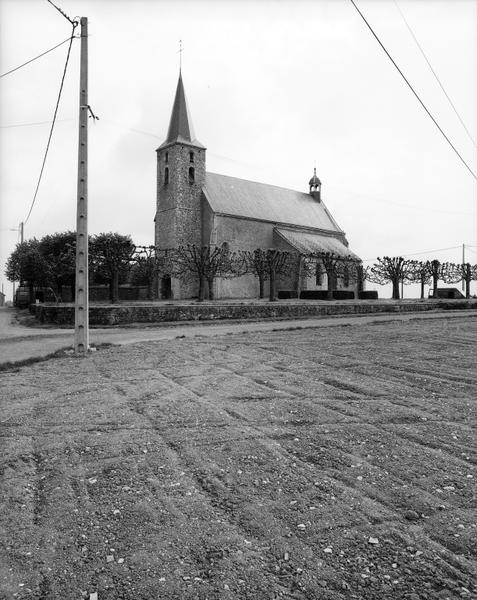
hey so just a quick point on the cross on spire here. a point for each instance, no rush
(180, 55)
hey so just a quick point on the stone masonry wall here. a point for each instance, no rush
(178, 214)
(100, 315)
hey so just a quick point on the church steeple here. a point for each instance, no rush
(180, 180)
(180, 126)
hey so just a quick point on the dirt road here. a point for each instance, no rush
(20, 343)
(311, 464)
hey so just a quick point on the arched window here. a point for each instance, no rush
(191, 157)
(191, 174)
(318, 274)
(166, 175)
(166, 158)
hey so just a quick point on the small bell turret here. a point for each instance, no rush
(315, 186)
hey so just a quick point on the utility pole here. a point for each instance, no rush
(21, 232)
(463, 263)
(81, 300)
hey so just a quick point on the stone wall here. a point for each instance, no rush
(99, 315)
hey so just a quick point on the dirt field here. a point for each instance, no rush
(311, 464)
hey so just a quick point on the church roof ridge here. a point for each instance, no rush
(270, 185)
(264, 201)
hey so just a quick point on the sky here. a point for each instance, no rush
(274, 88)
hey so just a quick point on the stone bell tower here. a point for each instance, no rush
(180, 178)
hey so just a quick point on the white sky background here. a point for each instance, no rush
(273, 87)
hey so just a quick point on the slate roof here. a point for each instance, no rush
(180, 126)
(249, 199)
(307, 243)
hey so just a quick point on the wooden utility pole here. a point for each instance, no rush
(463, 263)
(81, 300)
(21, 232)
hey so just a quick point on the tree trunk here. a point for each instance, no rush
(395, 288)
(115, 287)
(210, 281)
(31, 293)
(273, 292)
(435, 281)
(150, 288)
(331, 286)
(467, 285)
(201, 288)
(299, 276)
(360, 282)
(422, 288)
(261, 281)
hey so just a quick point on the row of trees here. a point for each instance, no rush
(114, 259)
(50, 262)
(398, 271)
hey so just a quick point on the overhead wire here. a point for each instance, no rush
(434, 73)
(414, 92)
(32, 124)
(74, 24)
(35, 58)
(72, 21)
(420, 253)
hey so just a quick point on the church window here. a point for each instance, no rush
(166, 176)
(191, 174)
(346, 277)
(318, 274)
(166, 158)
(191, 157)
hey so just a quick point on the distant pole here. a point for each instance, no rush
(463, 263)
(21, 242)
(81, 301)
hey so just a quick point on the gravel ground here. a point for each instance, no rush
(312, 464)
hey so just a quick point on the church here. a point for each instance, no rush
(197, 207)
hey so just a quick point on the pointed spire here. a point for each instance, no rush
(180, 126)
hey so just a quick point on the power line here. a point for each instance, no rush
(429, 251)
(52, 124)
(414, 92)
(419, 253)
(36, 57)
(434, 73)
(32, 124)
(74, 23)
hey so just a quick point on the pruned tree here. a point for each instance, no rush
(145, 269)
(255, 262)
(420, 272)
(27, 265)
(334, 266)
(111, 255)
(441, 272)
(360, 273)
(453, 273)
(392, 270)
(59, 253)
(206, 263)
(279, 264)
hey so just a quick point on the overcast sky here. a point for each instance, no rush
(274, 88)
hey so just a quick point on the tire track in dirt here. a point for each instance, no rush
(225, 504)
(382, 499)
(358, 391)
